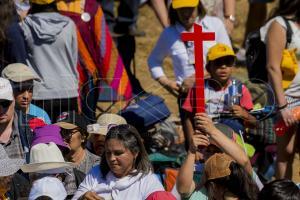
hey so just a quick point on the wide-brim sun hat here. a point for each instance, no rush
(46, 158)
(8, 166)
(184, 3)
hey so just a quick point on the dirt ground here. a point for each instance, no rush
(148, 22)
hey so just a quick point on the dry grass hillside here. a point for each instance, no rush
(149, 23)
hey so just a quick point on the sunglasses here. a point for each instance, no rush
(5, 103)
(227, 61)
(67, 134)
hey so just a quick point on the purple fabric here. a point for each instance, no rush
(47, 134)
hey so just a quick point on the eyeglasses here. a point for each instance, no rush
(67, 134)
(228, 61)
(5, 103)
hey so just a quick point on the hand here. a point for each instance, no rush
(171, 86)
(187, 84)
(198, 140)
(90, 195)
(204, 124)
(288, 117)
(229, 25)
(239, 112)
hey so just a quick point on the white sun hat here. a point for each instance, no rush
(46, 158)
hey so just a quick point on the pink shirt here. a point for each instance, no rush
(216, 101)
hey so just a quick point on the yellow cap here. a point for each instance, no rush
(42, 2)
(218, 51)
(184, 3)
(289, 67)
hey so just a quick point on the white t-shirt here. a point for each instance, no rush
(170, 44)
(294, 89)
(126, 188)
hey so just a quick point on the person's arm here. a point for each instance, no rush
(84, 190)
(229, 10)
(161, 12)
(155, 62)
(185, 183)
(206, 126)
(275, 44)
(240, 112)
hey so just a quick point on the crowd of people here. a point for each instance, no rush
(58, 56)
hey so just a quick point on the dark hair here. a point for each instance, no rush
(288, 8)
(7, 14)
(43, 198)
(239, 183)
(174, 17)
(282, 189)
(132, 140)
(37, 8)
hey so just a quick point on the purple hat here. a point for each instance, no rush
(47, 134)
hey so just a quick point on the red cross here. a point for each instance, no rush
(198, 37)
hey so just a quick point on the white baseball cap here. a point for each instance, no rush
(48, 186)
(6, 91)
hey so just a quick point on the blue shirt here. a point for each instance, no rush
(39, 112)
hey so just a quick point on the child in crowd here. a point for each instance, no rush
(218, 89)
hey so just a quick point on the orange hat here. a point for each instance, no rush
(184, 3)
(217, 166)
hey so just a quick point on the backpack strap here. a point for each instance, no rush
(289, 31)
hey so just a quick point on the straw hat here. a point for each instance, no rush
(46, 158)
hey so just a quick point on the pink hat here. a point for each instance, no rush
(158, 195)
(46, 134)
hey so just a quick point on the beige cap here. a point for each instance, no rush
(18, 72)
(217, 166)
(6, 91)
(104, 122)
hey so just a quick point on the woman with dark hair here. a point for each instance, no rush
(225, 178)
(12, 45)
(282, 189)
(125, 171)
(286, 91)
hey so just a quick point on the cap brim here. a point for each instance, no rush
(185, 4)
(101, 131)
(66, 125)
(39, 167)
(10, 166)
(19, 79)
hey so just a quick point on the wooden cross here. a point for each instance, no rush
(199, 37)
